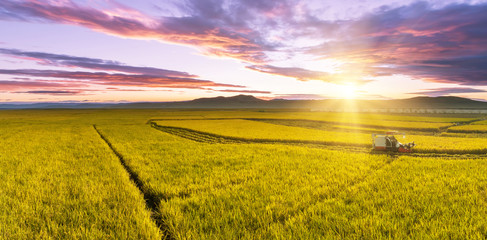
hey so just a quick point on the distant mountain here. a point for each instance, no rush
(245, 99)
(248, 101)
(239, 101)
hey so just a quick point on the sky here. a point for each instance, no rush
(174, 50)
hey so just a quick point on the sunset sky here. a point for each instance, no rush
(171, 50)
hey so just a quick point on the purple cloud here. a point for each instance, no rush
(13, 85)
(55, 92)
(127, 76)
(304, 74)
(295, 72)
(240, 91)
(90, 63)
(117, 79)
(215, 34)
(447, 45)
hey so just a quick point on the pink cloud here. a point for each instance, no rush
(103, 78)
(196, 31)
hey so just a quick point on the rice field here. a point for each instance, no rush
(169, 174)
(262, 131)
(61, 182)
(474, 128)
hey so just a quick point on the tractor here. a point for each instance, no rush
(388, 142)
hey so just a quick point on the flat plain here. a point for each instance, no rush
(239, 174)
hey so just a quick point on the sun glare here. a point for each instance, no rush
(348, 91)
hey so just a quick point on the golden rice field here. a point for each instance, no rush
(474, 128)
(183, 174)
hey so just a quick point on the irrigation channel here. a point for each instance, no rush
(211, 138)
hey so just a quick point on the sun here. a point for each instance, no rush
(348, 91)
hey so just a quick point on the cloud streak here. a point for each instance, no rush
(240, 91)
(294, 72)
(447, 91)
(15, 85)
(303, 74)
(118, 79)
(116, 74)
(55, 92)
(90, 63)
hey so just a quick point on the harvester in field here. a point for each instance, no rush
(388, 142)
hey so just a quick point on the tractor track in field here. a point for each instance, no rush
(312, 124)
(205, 137)
(152, 201)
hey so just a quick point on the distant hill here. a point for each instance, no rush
(447, 102)
(248, 101)
(239, 101)
(245, 99)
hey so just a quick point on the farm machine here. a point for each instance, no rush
(388, 142)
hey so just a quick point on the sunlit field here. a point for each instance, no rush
(182, 174)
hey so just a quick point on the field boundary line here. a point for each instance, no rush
(151, 200)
